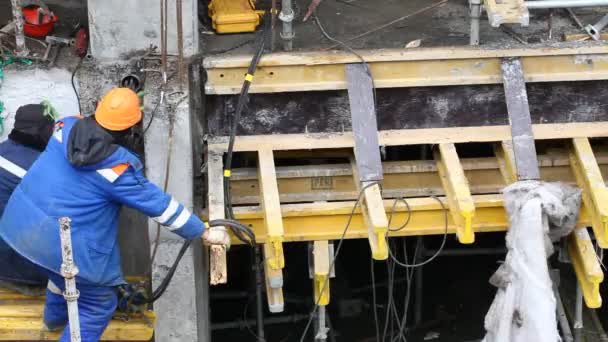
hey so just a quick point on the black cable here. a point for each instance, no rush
(409, 214)
(338, 248)
(427, 261)
(241, 102)
(374, 299)
(236, 227)
(74, 84)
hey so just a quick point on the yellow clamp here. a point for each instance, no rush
(227, 173)
(249, 78)
(206, 225)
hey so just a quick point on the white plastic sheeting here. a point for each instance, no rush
(524, 307)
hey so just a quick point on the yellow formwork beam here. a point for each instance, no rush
(391, 68)
(321, 265)
(506, 161)
(271, 204)
(374, 214)
(595, 194)
(274, 283)
(586, 266)
(457, 189)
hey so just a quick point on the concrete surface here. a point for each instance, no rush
(118, 28)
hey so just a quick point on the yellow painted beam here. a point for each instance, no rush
(324, 70)
(506, 161)
(19, 328)
(325, 221)
(595, 193)
(374, 214)
(456, 186)
(271, 204)
(586, 266)
(274, 283)
(321, 274)
(218, 273)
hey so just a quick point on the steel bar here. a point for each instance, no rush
(578, 315)
(286, 16)
(565, 3)
(69, 272)
(21, 49)
(562, 318)
(269, 321)
(180, 44)
(475, 6)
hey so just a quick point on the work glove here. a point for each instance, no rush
(216, 236)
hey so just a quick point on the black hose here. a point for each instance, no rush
(259, 283)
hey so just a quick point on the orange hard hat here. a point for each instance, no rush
(118, 110)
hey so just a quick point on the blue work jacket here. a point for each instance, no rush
(15, 160)
(91, 196)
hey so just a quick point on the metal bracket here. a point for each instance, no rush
(516, 96)
(363, 116)
(586, 266)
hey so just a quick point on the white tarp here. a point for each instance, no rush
(524, 307)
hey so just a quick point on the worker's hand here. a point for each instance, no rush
(215, 236)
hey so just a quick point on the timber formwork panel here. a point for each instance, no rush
(21, 320)
(314, 202)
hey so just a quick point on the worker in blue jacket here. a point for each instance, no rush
(32, 129)
(87, 174)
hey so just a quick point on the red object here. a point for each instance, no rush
(36, 23)
(82, 42)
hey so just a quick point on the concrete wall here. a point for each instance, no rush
(120, 27)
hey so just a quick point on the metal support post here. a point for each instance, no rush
(69, 272)
(19, 35)
(578, 314)
(286, 16)
(595, 30)
(562, 318)
(321, 332)
(475, 6)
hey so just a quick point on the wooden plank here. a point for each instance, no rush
(581, 37)
(595, 192)
(408, 137)
(374, 214)
(31, 329)
(507, 12)
(218, 273)
(506, 161)
(321, 264)
(461, 204)
(394, 55)
(274, 283)
(586, 266)
(271, 204)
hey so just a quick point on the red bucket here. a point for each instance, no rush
(36, 24)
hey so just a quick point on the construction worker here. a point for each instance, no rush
(87, 173)
(31, 132)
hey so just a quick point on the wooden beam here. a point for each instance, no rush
(408, 137)
(595, 193)
(271, 204)
(321, 263)
(393, 69)
(374, 214)
(455, 183)
(218, 273)
(506, 161)
(586, 266)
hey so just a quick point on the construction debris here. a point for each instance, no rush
(524, 307)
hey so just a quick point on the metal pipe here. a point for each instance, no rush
(598, 325)
(564, 3)
(286, 16)
(595, 30)
(578, 315)
(467, 252)
(180, 44)
(475, 6)
(21, 49)
(562, 319)
(321, 333)
(69, 272)
(419, 285)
